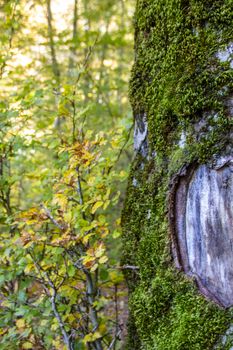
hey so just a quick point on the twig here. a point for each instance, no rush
(58, 316)
(121, 150)
(127, 267)
(84, 65)
(79, 188)
(50, 216)
(80, 192)
(116, 312)
(93, 312)
(52, 297)
(114, 340)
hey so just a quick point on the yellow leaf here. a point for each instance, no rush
(94, 267)
(31, 222)
(96, 335)
(116, 277)
(54, 327)
(123, 174)
(107, 194)
(29, 268)
(100, 250)
(61, 200)
(91, 181)
(97, 205)
(103, 259)
(88, 259)
(106, 204)
(30, 213)
(115, 143)
(27, 345)
(63, 111)
(68, 175)
(87, 338)
(20, 323)
(118, 221)
(103, 328)
(57, 344)
(71, 318)
(68, 216)
(87, 237)
(116, 234)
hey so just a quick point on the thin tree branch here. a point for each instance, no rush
(116, 314)
(113, 342)
(66, 337)
(93, 313)
(50, 216)
(121, 150)
(52, 297)
(126, 267)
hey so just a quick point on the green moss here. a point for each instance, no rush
(170, 316)
(178, 81)
(176, 74)
(167, 311)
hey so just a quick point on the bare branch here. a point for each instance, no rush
(121, 150)
(93, 313)
(50, 216)
(126, 267)
(113, 342)
(66, 337)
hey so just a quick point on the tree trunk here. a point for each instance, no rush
(178, 215)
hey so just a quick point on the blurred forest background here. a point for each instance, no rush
(66, 146)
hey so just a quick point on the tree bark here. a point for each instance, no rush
(178, 214)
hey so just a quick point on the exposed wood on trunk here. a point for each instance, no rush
(201, 218)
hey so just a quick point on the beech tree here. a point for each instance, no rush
(178, 212)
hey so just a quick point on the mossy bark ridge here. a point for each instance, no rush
(181, 92)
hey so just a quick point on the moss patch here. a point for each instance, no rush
(183, 87)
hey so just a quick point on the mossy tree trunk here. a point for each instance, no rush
(182, 97)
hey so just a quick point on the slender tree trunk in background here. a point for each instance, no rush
(178, 214)
(55, 66)
(87, 33)
(73, 49)
(120, 66)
